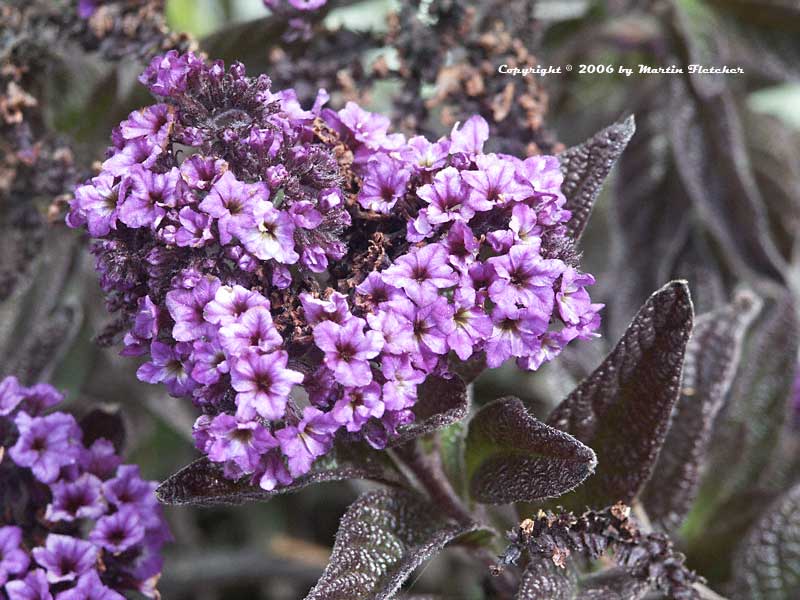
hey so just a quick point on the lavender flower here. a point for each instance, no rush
(75, 490)
(316, 247)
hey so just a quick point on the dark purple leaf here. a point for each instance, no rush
(712, 358)
(586, 167)
(510, 456)
(104, 423)
(382, 538)
(542, 580)
(747, 435)
(712, 162)
(440, 402)
(202, 482)
(649, 232)
(622, 410)
(766, 564)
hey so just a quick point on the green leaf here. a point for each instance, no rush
(585, 168)
(510, 456)
(767, 564)
(712, 358)
(440, 402)
(382, 538)
(622, 410)
(202, 482)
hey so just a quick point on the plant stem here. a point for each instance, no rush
(427, 468)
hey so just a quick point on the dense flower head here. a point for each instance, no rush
(255, 249)
(75, 523)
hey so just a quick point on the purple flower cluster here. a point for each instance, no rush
(251, 246)
(76, 524)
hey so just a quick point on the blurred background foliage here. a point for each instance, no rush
(708, 190)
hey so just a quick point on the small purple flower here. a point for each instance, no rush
(430, 326)
(269, 234)
(272, 472)
(524, 225)
(232, 202)
(187, 307)
(97, 203)
(195, 229)
(200, 173)
(13, 559)
(357, 406)
(462, 247)
(347, 350)
(210, 362)
(34, 587)
(424, 155)
(262, 383)
(230, 303)
(310, 439)
(166, 75)
(494, 182)
(239, 442)
(384, 183)
(366, 127)
(153, 123)
(129, 489)
(422, 273)
(65, 558)
(147, 197)
(524, 278)
(516, 333)
(39, 397)
(100, 459)
(395, 329)
(402, 379)
(572, 298)
(118, 532)
(469, 137)
(90, 587)
(318, 310)
(169, 365)
(448, 198)
(254, 330)
(79, 499)
(46, 444)
(472, 327)
(11, 394)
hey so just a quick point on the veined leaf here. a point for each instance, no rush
(767, 564)
(202, 482)
(586, 167)
(622, 410)
(712, 358)
(542, 580)
(510, 456)
(382, 538)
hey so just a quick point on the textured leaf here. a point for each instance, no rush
(440, 402)
(767, 565)
(382, 538)
(747, 436)
(712, 358)
(510, 456)
(648, 231)
(542, 580)
(202, 482)
(586, 167)
(622, 410)
(712, 162)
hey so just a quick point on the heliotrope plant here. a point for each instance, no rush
(76, 523)
(251, 247)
